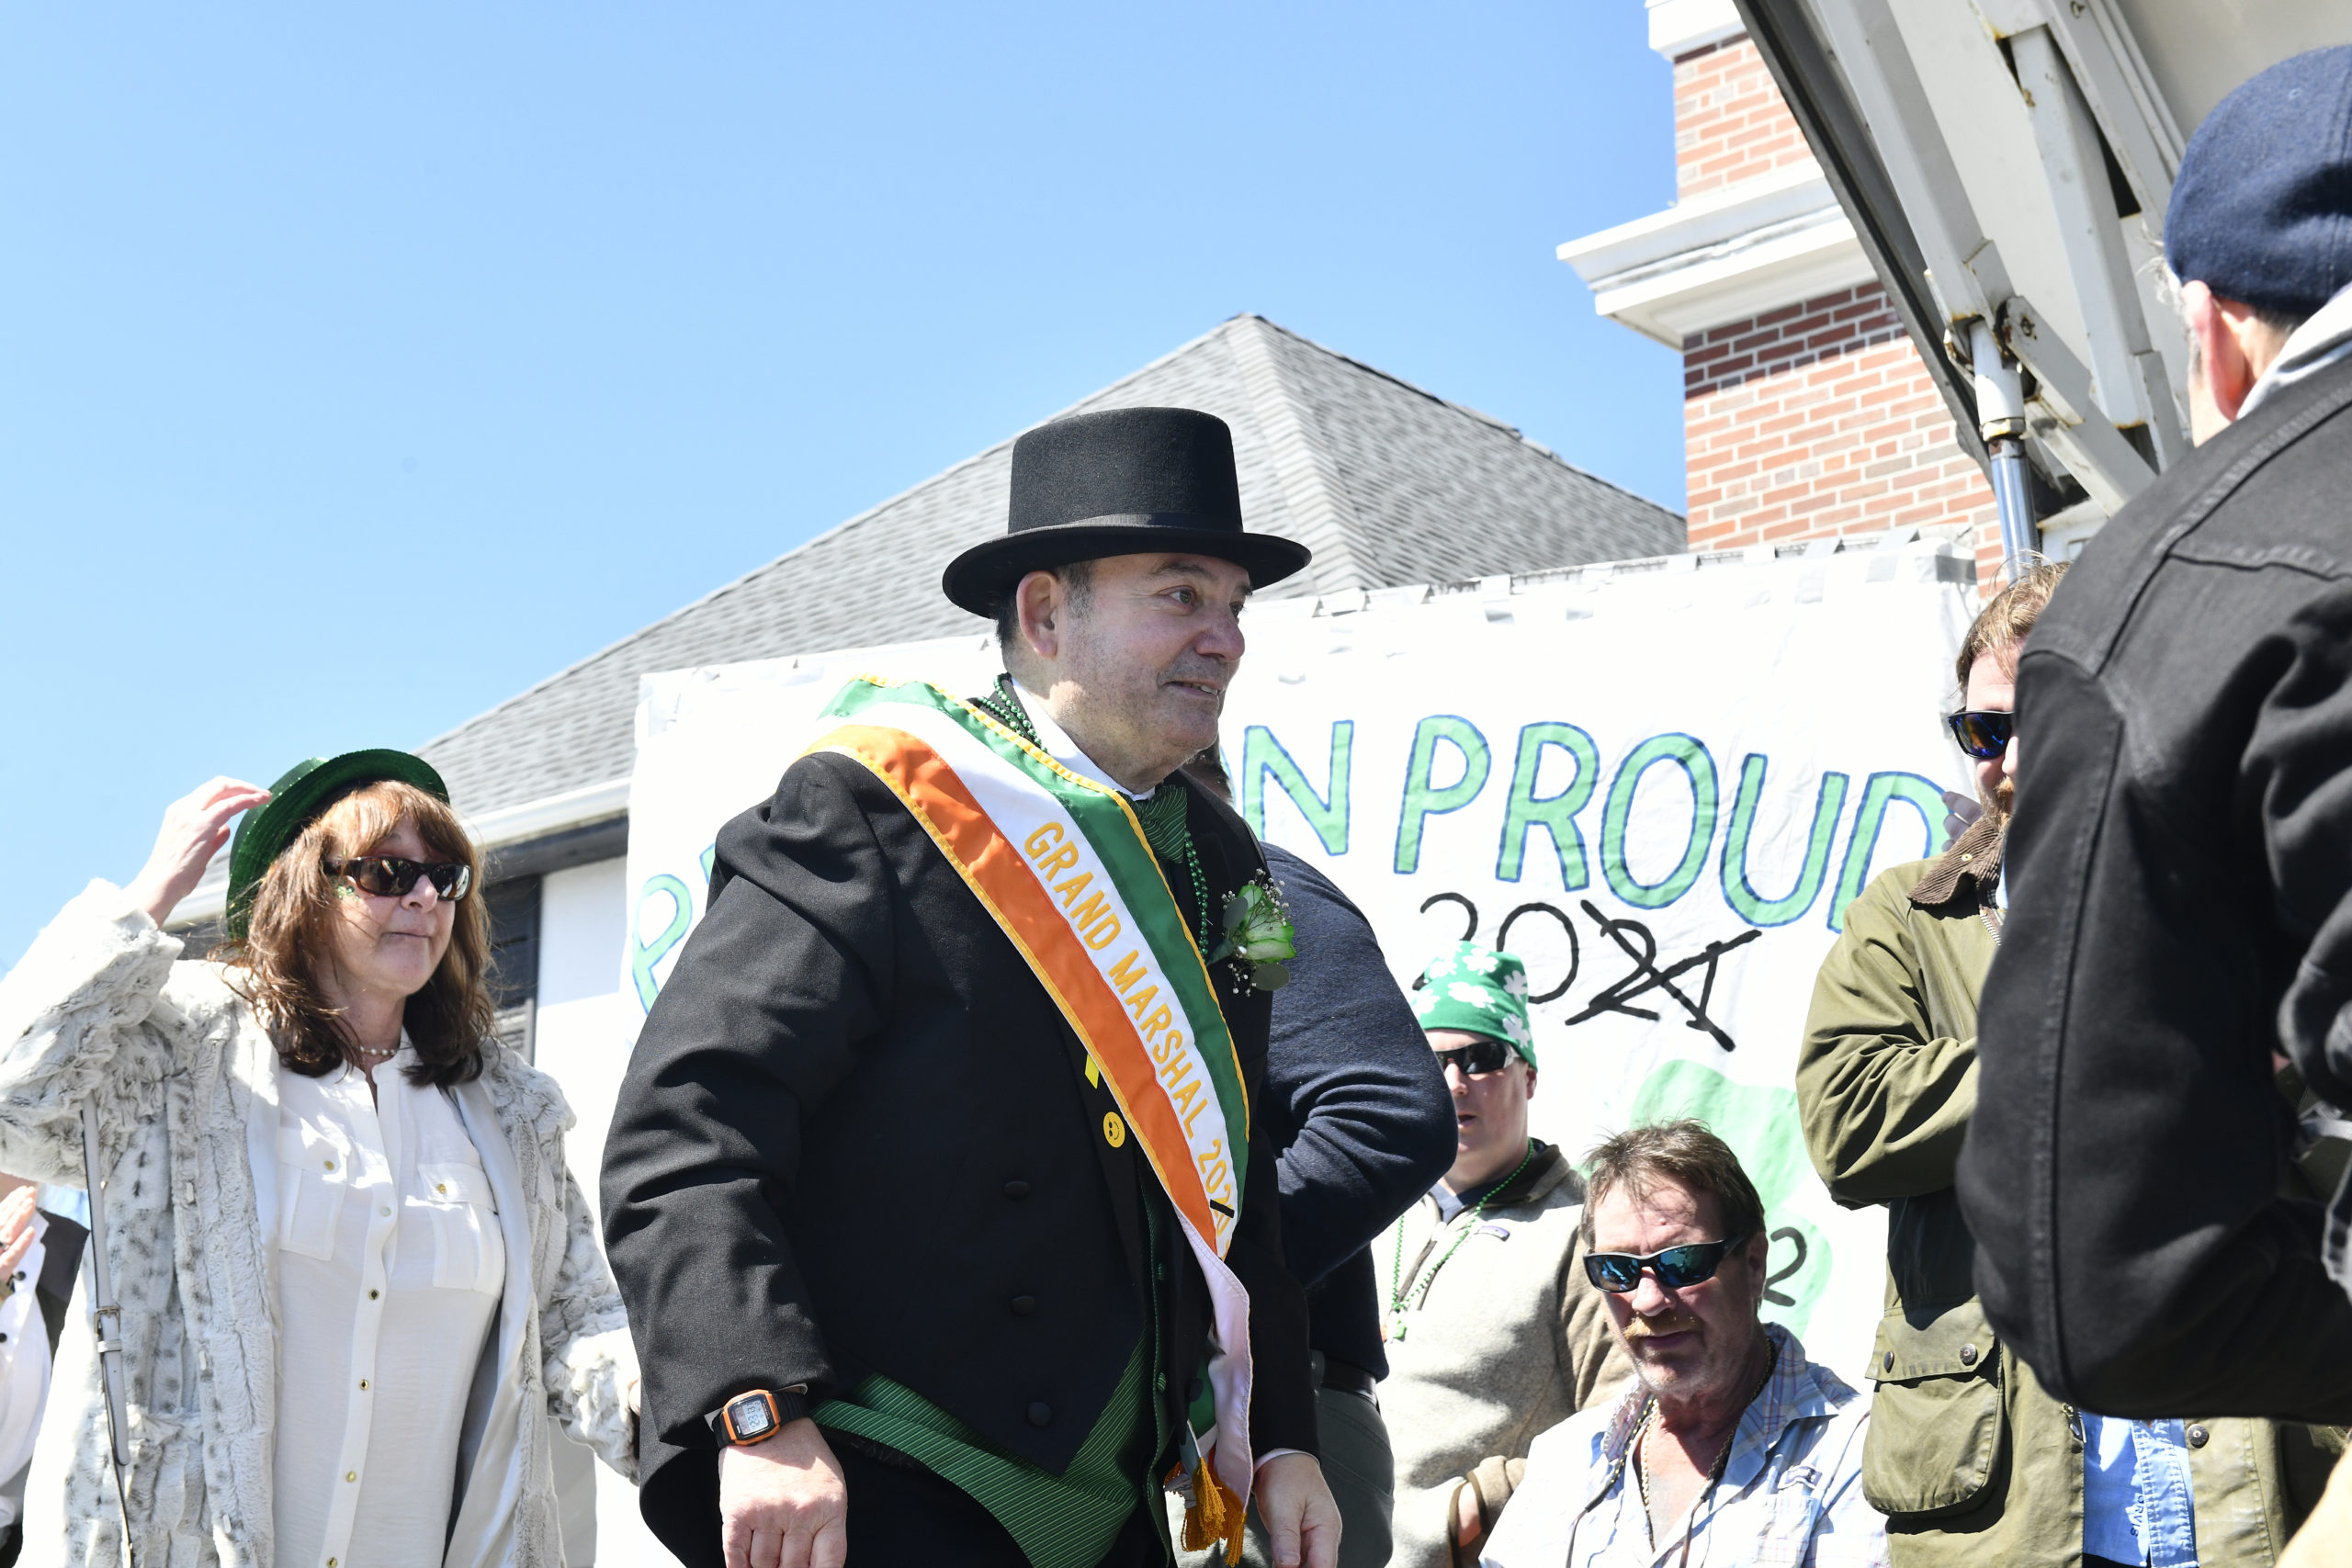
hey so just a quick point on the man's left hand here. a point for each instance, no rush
(1302, 1521)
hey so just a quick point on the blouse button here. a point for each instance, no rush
(441, 1187)
(386, 1212)
(351, 1475)
(363, 1382)
(330, 1166)
(373, 1294)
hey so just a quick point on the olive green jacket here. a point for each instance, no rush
(1967, 1456)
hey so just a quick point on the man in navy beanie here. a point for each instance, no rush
(2170, 1016)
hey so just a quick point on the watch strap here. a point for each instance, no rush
(787, 1405)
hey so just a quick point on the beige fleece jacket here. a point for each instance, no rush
(1491, 1342)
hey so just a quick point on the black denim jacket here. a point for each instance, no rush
(2180, 875)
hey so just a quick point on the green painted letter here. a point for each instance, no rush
(1881, 791)
(1422, 800)
(1740, 893)
(1686, 754)
(644, 953)
(1262, 754)
(1555, 814)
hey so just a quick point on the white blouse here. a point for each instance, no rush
(390, 1268)
(24, 1373)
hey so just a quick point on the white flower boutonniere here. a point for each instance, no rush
(1259, 936)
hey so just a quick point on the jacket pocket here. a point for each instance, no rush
(1936, 1431)
(469, 1250)
(312, 1176)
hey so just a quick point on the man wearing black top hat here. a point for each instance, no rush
(898, 1273)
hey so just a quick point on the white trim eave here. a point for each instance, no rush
(492, 831)
(1678, 27)
(1722, 257)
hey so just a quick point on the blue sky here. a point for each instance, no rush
(362, 367)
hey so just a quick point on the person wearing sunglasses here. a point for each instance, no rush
(1730, 1445)
(1494, 1331)
(358, 1284)
(1886, 1083)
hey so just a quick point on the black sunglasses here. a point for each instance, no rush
(387, 877)
(1983, 736)
(1619, 1273)
(1485, 1055)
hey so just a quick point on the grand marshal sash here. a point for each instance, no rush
(1061, 863)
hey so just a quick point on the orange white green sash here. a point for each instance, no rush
(1060, 862)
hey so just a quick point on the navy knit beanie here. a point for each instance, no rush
(2262, 211)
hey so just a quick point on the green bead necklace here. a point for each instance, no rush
(1162, 814)
(1420, 1294)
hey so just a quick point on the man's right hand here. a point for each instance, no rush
(782, 1503)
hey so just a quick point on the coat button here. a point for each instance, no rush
(1040, 1413)
(1968, 1355)
(2197, 1435)
(1887, 1363)
(1016, 1190)
(1024, 1306)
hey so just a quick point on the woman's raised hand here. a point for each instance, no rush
(194, 829)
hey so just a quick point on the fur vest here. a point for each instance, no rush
(177, 1065)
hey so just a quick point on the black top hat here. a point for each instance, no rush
(1124, 482)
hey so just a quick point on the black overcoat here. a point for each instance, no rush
(855, 1136)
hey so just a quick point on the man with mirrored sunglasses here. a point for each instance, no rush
(1494, 1331)
(1969, 1456)
(1730, 1446)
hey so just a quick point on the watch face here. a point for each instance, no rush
(751, 1418)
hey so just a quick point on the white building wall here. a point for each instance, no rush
(584, 1030)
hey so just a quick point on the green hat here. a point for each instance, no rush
(298, 799)
(1479, 991)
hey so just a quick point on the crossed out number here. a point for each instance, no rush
(1639, 945)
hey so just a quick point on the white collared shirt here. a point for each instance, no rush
(1055, 742)
(391, 1264)
(1790, 1494)
(23, 1371)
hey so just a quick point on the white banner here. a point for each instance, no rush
(1660, 787)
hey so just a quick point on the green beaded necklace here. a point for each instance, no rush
(1397, 1291)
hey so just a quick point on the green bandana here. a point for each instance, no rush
(1479, 991)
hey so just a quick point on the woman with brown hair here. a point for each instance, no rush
(356, 1276)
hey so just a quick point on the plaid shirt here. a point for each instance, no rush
(1791, 1495)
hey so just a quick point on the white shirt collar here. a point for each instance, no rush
(1054, 742)
(2320, 341)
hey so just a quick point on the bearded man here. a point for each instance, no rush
(944, 1223)
(1887, 1087)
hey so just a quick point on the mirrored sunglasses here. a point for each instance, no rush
(1486, 1055)
(1619, 1273)
(1984, 736)
(385, 877)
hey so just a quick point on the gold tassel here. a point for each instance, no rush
(1213, 1513)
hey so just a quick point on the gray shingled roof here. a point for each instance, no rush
(1387, 484)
